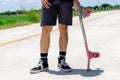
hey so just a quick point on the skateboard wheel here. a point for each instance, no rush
(95, 54)
(88, 12)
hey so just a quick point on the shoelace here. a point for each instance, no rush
(40, 64)
(64, 63)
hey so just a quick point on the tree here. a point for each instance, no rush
(117, 6)
(106, 6)
(96, 7)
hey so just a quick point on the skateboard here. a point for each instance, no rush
(83, 14)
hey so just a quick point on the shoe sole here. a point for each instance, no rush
(38, 71)
(64, 70)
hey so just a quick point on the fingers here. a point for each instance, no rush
(46, 4)
(76, 3)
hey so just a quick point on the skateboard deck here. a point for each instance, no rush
(90, 54)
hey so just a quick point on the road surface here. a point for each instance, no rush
(19, 50)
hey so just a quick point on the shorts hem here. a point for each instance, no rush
(65, 24)
(42, 25)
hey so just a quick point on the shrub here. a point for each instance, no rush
(33, 15)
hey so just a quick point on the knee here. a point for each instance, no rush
(46, 30)
(63, 29)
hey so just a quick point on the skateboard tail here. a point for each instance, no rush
(89, 56)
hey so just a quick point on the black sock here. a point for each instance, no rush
(62, 54)
(44, 56)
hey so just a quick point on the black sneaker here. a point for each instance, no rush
(41, 66)
(63, 66)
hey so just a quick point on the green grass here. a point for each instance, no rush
(22, 20)
(13, 21)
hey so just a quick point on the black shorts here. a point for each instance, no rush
(63, 12)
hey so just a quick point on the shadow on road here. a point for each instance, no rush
(81, 72)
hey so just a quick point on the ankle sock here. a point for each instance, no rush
(62, 54)
(44, 56)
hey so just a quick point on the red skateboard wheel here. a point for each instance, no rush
(88, 12)
(96, 54)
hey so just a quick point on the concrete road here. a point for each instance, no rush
(103, 34)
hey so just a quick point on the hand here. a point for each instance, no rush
(45, 4)
(76, 3)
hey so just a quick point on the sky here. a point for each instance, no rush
(13, 5)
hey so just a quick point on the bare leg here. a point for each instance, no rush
(63, 39)
(45, 39)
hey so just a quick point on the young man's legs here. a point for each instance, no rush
(44, 46)
(64, 19)
(49, 18)
(63, 38)
(45, 39)
(63, 42)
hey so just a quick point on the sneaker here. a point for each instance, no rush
(41, 66)
(63, 66)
